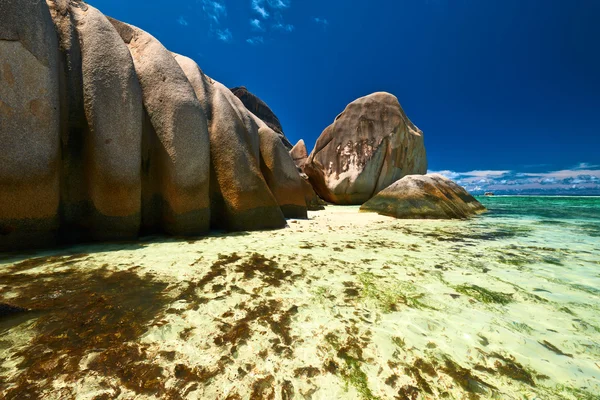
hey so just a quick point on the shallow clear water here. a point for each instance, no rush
(346, 305)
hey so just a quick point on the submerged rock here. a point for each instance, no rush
(369, 146)
(424, 196)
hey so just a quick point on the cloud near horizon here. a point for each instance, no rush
(581, 179)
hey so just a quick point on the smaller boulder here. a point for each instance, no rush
(424, 197)
(299, 154)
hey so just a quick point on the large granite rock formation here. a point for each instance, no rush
(176, 149)
(262, 111)
(111, 146)
(424, 196)
(269, 187)
(107, 134)
(29, 123)
(368, 147)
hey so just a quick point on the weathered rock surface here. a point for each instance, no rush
(281, 173)
(112, 141)
(176, 155)
(299, 154)
(368, 147)
(424, 196)
(262, 111)
(313, 201)
(29, 124)
(240, 196)
(106, 134)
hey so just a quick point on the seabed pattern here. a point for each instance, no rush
(345, 305)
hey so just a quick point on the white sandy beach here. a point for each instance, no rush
(345, 305)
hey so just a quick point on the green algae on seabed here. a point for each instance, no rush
(475, 233)
(389, 296)
(484, 295)
(269, 302)
(351, 352)
(78, 313)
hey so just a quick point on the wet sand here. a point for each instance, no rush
(345, 305)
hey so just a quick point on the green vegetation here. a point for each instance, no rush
(576, 393)
(477, 232)
(389, 296)
(510, 368)
(554, 349)
(351, 353)
(484, 295)
(521, 327)
(465, 378)
(398, 341)
(78, 312)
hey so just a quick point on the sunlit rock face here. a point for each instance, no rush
(106, 135)
(299, 154)
(430, 196)
(368, 147)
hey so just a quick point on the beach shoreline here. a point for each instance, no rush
(346, 304)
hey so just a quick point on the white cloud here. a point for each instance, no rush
(504, 181)
(584, 165)
(224, 35)
(255, 40)
(214, 9)
(182, 21)
(216, 12)
(279, 3)
(283, 27)
(256, 25)
(270, 8)
(320, 20)
(484, 173)
(448, 174)
(258, 6)
(280, 24)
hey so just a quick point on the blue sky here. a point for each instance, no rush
(504, 90)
